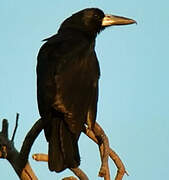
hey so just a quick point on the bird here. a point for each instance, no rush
(68, 75)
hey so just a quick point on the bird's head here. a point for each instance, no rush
(93, 20)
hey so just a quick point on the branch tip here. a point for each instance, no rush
(5, 127)
(40, 157)
(16, 126)
(127, 173)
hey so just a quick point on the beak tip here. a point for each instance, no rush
(131, 21)
(135, 22)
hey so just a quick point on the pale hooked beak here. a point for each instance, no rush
(110, 20)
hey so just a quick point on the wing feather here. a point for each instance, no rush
(68, 81)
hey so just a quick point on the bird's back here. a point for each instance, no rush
(67, 72)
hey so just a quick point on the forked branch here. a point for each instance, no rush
(19, 160)
(77, 171)
(99, 137)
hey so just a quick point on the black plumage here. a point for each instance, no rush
(67, 83)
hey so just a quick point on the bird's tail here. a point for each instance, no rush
(63, 148)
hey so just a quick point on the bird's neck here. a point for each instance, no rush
(79, 33)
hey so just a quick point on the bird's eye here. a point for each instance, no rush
(96, 16)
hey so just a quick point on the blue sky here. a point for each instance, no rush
(133, 104)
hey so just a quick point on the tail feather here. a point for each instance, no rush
(63, 148)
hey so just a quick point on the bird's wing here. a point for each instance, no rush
(68, 82)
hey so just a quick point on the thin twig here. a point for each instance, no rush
(69, 178)
(99, 137)
(16, 126)
(77, 171)
(104, 151)
(119, 164)
(40, 157)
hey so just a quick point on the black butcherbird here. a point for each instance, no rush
(67, 83)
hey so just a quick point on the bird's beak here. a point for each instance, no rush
(110, 20)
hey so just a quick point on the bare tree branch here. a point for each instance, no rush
(104, 151)
(119, 164)
(8, 151)
(77, 171)
(27, 173)
(29, 140)
(69, 178)
(16, 126)
(19, 160)
(99, 137)
(5, 128)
